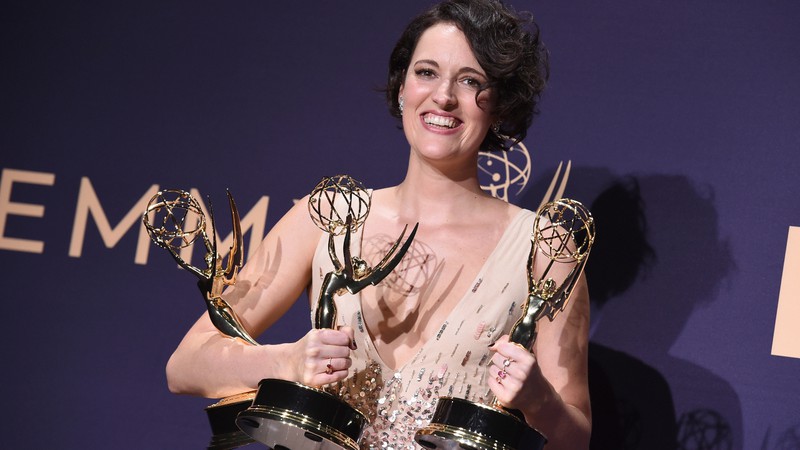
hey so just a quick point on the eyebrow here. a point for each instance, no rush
(465, 69)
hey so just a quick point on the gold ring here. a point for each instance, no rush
(329, 366)
(507, 362)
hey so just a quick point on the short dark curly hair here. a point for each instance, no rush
(508, 48)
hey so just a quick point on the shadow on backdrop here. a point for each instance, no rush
(632, 402)
(788, 440)
(657, 256)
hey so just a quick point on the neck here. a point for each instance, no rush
(439, 192)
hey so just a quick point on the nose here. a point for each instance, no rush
(443, 96)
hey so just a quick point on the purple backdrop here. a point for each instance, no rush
(685, 113)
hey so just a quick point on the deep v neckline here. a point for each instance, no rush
(486, 265)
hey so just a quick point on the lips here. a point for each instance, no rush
(442, 122)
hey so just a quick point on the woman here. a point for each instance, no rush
(462, 76)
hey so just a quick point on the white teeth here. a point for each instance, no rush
(440, 121)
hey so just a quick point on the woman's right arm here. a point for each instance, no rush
(209, 364)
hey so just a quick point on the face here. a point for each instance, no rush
(441, 117)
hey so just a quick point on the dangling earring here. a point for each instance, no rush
(400, 104)
(496, 127)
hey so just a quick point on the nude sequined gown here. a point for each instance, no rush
(399, 401)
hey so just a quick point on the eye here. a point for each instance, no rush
(472, 82)
(425, 72)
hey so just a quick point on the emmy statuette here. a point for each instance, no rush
(563, 232)
(174, 220)
(289, 415)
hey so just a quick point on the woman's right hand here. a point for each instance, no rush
(322, 356)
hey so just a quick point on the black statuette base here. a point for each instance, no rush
(225, 435)
(290, 415)
(461, 424)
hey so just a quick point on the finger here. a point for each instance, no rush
(503, 388)
(501, 340)
(502, 361)
(501, 368)
(328, 344)
(332, 365)
(351, 335)
(336, 337)
(329, 366)
(504, 381)
(322, 379)
(508, 348)
(330, 370)
(335, 351)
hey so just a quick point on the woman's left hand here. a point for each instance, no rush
(516, 379)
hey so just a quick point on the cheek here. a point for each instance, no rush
(408, 120)
(484, 101)
(413, 93)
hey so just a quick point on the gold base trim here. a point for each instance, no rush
(462, 436)
(235, 398)
(304, 422)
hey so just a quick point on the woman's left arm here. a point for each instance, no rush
(550, 386)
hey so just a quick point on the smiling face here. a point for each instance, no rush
(441, 117)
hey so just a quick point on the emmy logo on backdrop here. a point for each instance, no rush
(289, 415)
(563, 233)
(500, 171)
(174, 220)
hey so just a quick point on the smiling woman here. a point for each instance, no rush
(509, 59)
(465, 76)
(445, 113)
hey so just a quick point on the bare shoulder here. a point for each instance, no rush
(381, 198)
(510, 209)
(295, 236)
(299, 215)
(499, 211)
